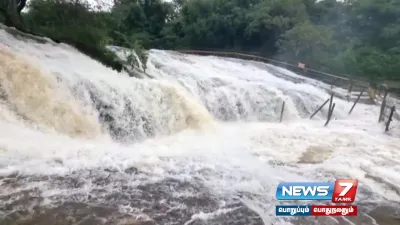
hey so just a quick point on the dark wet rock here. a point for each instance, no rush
(110, 170)
(386, 215)
(131, 170)
(113, 200)
(71, 213)
(381, 215)
(116, 197)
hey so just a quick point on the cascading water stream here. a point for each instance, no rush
(198, 144)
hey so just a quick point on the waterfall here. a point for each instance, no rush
(197, 141)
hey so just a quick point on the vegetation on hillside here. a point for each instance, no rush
(353, 37)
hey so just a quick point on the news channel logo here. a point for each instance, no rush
(340, 191)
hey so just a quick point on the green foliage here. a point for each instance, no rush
(141, 54)
(352, 37)
(295, 45)
(73, 23)
(137, 55)
(141, 20)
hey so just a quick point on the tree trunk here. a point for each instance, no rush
(12, 15)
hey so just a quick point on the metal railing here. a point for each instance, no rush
(351, 84)
(305, 71)
(385, 106)
(356, 87)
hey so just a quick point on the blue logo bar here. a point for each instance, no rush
(293, 210)
(304, 191)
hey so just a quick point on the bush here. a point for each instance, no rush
(73, 23)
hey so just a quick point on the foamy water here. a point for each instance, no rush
(203, 120)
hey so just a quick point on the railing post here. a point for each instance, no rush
(330, 102)
(383, 106)
(390, 118)
(382, 111)
(306, 71)
(316, 111)
(350, 90)
(355, 102)
(330, 115)
(283, 108)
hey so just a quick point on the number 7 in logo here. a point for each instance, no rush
(345, 191)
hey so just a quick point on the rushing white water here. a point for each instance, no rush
(203, 119)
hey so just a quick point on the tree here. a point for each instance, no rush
(307, 43)
(12, 12)
(74, 23)
(352, 37)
